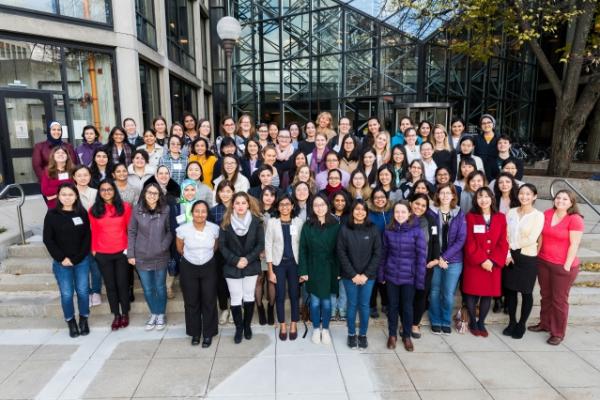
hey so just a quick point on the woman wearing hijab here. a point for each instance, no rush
(41, 151)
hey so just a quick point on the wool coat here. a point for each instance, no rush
(318, 259)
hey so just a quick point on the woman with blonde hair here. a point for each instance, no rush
(442, 154)
(245, 127)
(304, 174)
(382, 148)
(324, 124)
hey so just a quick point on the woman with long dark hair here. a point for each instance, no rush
(101, 167)
(89, 143)
(119, 149)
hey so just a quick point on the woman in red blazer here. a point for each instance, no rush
(486, 249)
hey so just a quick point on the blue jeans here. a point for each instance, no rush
(155, 289)
(441, 300)
(359, 297)
(73, 280)
(339, 302)
(95, 277)
(320, 311)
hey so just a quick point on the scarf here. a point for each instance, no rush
(332, 190)
(54, 142)
(241, 225)
(125, 155)
(318, 165)
(186, 205)
(283, 155)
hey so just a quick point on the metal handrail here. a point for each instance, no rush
(573, 188)
(4, 191)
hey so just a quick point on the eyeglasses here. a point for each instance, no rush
(107, 190)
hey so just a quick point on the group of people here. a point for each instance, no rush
(337, 222)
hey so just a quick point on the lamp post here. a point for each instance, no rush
(229, 30)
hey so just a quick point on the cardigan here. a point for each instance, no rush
(318, 259)
(524, 231)
(457, 234)
(274, 242)
(233, 248)
(67, 234)
(149, 238)
(359, 250)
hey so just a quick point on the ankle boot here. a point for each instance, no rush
(236, 312)
(73, 330)
(270, 314)
(262, 317)
(248, 313)
(84, 328)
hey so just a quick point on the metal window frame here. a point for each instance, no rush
(28, 12)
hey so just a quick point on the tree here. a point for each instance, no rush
(575, 84)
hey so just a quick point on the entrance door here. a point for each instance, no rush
(436, 113)
(24, 116)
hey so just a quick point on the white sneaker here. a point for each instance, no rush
(316, 336)
(151, 323)
(223, 317)
(161, 322)
(91, 304)
(96, 299)
(325, 338)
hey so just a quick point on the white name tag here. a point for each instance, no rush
(293, 230)
(434, 230)
(478, 228)
(63, 176)
(180, 219)
(77, 221)
(177, 167)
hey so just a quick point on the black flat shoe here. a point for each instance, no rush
(283, 335)
(206, 342)
(84, 327)
(196, 340)
(508, 331)
(73, 329)
(519, 331)
(293, 335)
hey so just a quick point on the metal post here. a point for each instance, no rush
(228, 46)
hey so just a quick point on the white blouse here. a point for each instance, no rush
(524, 230)
(198, 246)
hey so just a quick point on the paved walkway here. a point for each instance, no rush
(46, 364)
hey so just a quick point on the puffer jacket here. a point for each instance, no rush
(457, 234)
(404, 254)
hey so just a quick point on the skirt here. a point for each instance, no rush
(521, 274)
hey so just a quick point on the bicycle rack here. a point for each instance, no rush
(4, 191)
(573, 188)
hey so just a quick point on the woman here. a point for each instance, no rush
(273, 132)
(424, 131)
(358, 187)
(304, 174)
(373, 129)
(318, 266)
(442, 177)
(246, 129)
(109, 217)
(241, 241)
(302, 198)
(56, 173)
(282, 243)
(385, 180)
(175, 159)
(297, 160)
(486, 248)
(442, 154)
(194, 172)
(349, 154)
(380, 214)
(228, 130)
(334, 184)
(402, 269)
(269, 156)
(90, 142)
(344, 129)
(486, 144)
(225, 191)
(204, 130)
(127, 191)
(159, 124)
(558, 264)
(358, 251)
(150, 146)
(452, 232)
(190, 125)
(196, 242)
(119, 149)
(410, 146)
(382, 148)
(170, 189)
(506, 192)
(324, 125)
(368, 165)
(466, 166)
(308, 144)
(41, 151)
(268, 209)
(294, 129)
(231, 172)
(419, 206)
(252, 158)
(262, 135)
(405, 123)
(101, 167)
(422, 186)
(200, 153)
(316, 159)
(415, 173)
(466, 150)
(176, 130)
(148, 250)
(509, 166)
(426, 150)
(457, 131)
(340, 207)
(474, 181)
(525, 225)
(140, 170)
(399, 164)
(67, 238)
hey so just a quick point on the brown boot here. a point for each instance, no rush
(408, 345)
(537, 328)
(554, 340)
(391, 343)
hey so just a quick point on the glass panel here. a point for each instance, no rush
(26, 121)
(180, 33)
(48, 6)
(361, 76)
(29, 65)
(146, 30)
(296, 78)
(183, 99)
(22, 170)
(149, 92)
(93, 10)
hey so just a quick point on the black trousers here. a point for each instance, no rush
(421, 298)
(287, 272)
(199, 287)
(379, 288)
(401, 299)
(115, 273)
(222, 289)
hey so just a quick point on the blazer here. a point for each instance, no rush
(232, 247)
(274, 240)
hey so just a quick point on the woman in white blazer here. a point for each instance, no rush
(282, 240)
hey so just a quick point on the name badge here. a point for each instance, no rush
(478, 228)
(180, 219)
(63, 176)
(434, 230)
(293, 230)
(177, 167)
(77, 221)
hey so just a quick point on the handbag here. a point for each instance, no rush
(461, 320)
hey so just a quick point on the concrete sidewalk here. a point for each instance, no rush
(131, 363)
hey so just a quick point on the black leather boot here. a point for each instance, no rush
(84, 328)
(248, 314)
(236, 312)
(73, 329)
(262, 316)
(270, 314)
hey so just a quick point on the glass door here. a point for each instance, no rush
(24, 116)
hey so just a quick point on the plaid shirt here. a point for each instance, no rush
(217, 213)
(176, 167)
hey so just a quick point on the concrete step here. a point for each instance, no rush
(587, 276)
(29, 265)
(39, 283)
(29, 250)
(587, 255)
(591, 240)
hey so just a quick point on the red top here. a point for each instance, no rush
(484, 243)
(556, 240)
(50, 186)
(109, 233)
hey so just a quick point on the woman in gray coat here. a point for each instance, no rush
(149, 240)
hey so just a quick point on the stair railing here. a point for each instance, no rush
(4, 192)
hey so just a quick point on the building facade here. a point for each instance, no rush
(96, 62)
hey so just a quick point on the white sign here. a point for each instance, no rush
(78, 125)
(65, 132)
(21, 131)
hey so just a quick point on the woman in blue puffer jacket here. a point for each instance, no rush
(402, 268)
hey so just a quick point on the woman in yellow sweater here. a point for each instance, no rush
(202, 155)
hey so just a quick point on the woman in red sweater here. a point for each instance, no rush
(57, 172)
(558, 264)
(485, 250)
(109, 217)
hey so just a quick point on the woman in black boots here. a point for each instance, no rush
(241, 241)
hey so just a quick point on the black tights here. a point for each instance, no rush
(258, 292)
(484, 308)
(511, 304)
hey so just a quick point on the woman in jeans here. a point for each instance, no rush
(196, 242)
(452, 232)
(282, 240)
(149, 240)
(558, 264)
(67, 238)
(319, 267)
(359, 250)
(241, 240)
(109, 217)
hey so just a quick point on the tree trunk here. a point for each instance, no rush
(592, 148)
(563, 143)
